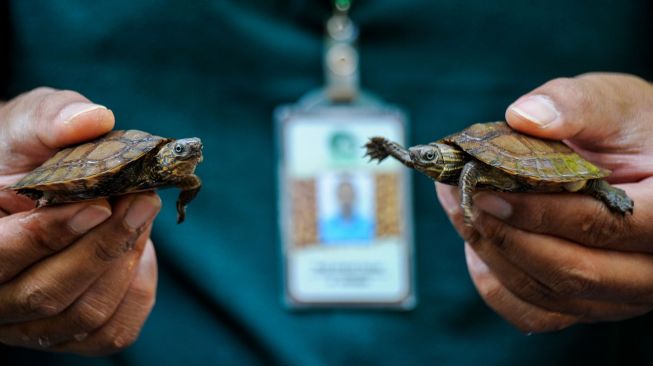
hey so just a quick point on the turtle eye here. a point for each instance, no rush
(179, 148)
(429, 155)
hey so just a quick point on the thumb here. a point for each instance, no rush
(34, 125)
(596, 112)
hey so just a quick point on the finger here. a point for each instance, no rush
(125, 325)
(89, 312)
(534, 292)
(37, 123)
(11, 202)
(27, 237)
(568, 269)
(50, 286)
(519, 311)
(587, 108)
(608, 113)
(515, 295)
(449, 197)
(526, 317)
(578, 218)
(565, 268)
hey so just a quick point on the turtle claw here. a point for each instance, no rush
(618, 201)
(377, 149)
(615, 198)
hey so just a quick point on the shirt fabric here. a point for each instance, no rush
(217, 69)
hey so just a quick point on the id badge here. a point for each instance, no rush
(345, 223)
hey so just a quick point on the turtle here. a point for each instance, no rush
(494, 156)
(117, 163)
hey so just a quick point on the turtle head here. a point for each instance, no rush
(439, 161)
(427, 159)
(180, 157)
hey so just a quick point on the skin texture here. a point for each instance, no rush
(545, 262)
(493, 156)
(117, 163)
(175, 165)
(77, 277)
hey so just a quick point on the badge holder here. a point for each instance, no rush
(345, 223)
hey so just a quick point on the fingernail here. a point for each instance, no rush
(44, 342)
(80, 336)
(88, 218)
(493, 205)
(474, 262)
(69, 112)
(447, 199)
(142, 210)
(538, 109)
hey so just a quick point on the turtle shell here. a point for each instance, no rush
(500, 146)
(88, 163)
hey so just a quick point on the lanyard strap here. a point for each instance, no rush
(341, 56)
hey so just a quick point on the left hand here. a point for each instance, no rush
(547, 261)
(77, 277)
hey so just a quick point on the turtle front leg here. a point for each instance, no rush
(190, 185)
(613, 197)
(477, 174)
(380, 148)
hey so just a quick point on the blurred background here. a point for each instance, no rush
(217, 69)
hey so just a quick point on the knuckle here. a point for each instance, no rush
(107, 252)
(539, 295)
(114, 340)
(573, 91)
(43, 107)
(64, 95)
(497, 234)
(529, 322)
(539, 219)
(561, 84)
(34, 300)
(51, 100)
(531, 290)
(125, 339)
(6, 274)
(41, 90)
(600, 227)
(575, 281)
(145, 295)
(37, 232)
(117, 242)
(492, 291)
(471, 236)
(89, 316)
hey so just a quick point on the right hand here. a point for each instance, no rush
(547, 261)
(77, 277)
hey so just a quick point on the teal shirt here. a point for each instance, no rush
(217, 69)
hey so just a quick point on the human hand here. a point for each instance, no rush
(547, 261)
(77, 277)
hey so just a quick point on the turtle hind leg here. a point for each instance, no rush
(615, 198)
(475, 174)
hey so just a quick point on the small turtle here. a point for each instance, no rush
(496, 157)
(117, 163)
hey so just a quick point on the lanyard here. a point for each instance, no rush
(341, 69)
